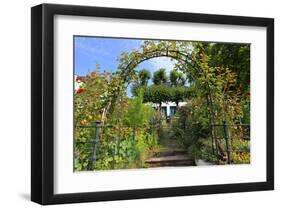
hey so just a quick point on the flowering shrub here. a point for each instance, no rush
(80, 90)
(97, 100)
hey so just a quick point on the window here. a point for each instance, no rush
(164, 111)
(172, 110)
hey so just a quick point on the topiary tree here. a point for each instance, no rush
(142, 81)
(176, 78)
(160, 77)
(144, 76)
(157, 94)
(178, 94)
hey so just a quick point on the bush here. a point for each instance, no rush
(138, 113)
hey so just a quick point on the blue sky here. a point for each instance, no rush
(90, 51)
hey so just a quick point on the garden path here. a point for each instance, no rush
(170, 153)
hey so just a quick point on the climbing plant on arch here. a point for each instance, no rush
(177, 50)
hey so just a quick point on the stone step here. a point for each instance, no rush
(176, 160)
(169, 152)
(177, 164)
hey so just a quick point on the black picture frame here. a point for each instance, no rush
(42, 103)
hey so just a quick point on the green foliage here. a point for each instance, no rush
(179, 94)
(138, 113)
(232, 56)
(160, 77)
(191, 125)
(204, 151)
(157, 94)
(144, 75)
(132, 147)
(94, 102)
(141, 83)
(136, 88)
(132, 153)
(163, 93)
(241, 153)
(176, 78)
(215, 95)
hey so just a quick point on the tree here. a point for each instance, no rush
(232, 56)
(178, 94)
(157, 94)
(176, 78)
(137, 88)
(141, 82)
(164, 93)
(160, 77)
(144, 76)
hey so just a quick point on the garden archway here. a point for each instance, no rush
(150, 50)
(130, 61)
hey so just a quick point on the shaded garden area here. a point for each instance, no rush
(209, 87)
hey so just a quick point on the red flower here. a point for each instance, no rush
(79, 91)
(78, 79)
(248, 94)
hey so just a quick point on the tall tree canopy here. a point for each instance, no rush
(176, 78)
(160, 77)
(233, 56)
(144, 76)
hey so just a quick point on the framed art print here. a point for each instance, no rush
(131, 104)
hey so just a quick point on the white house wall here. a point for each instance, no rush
(168, 105)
